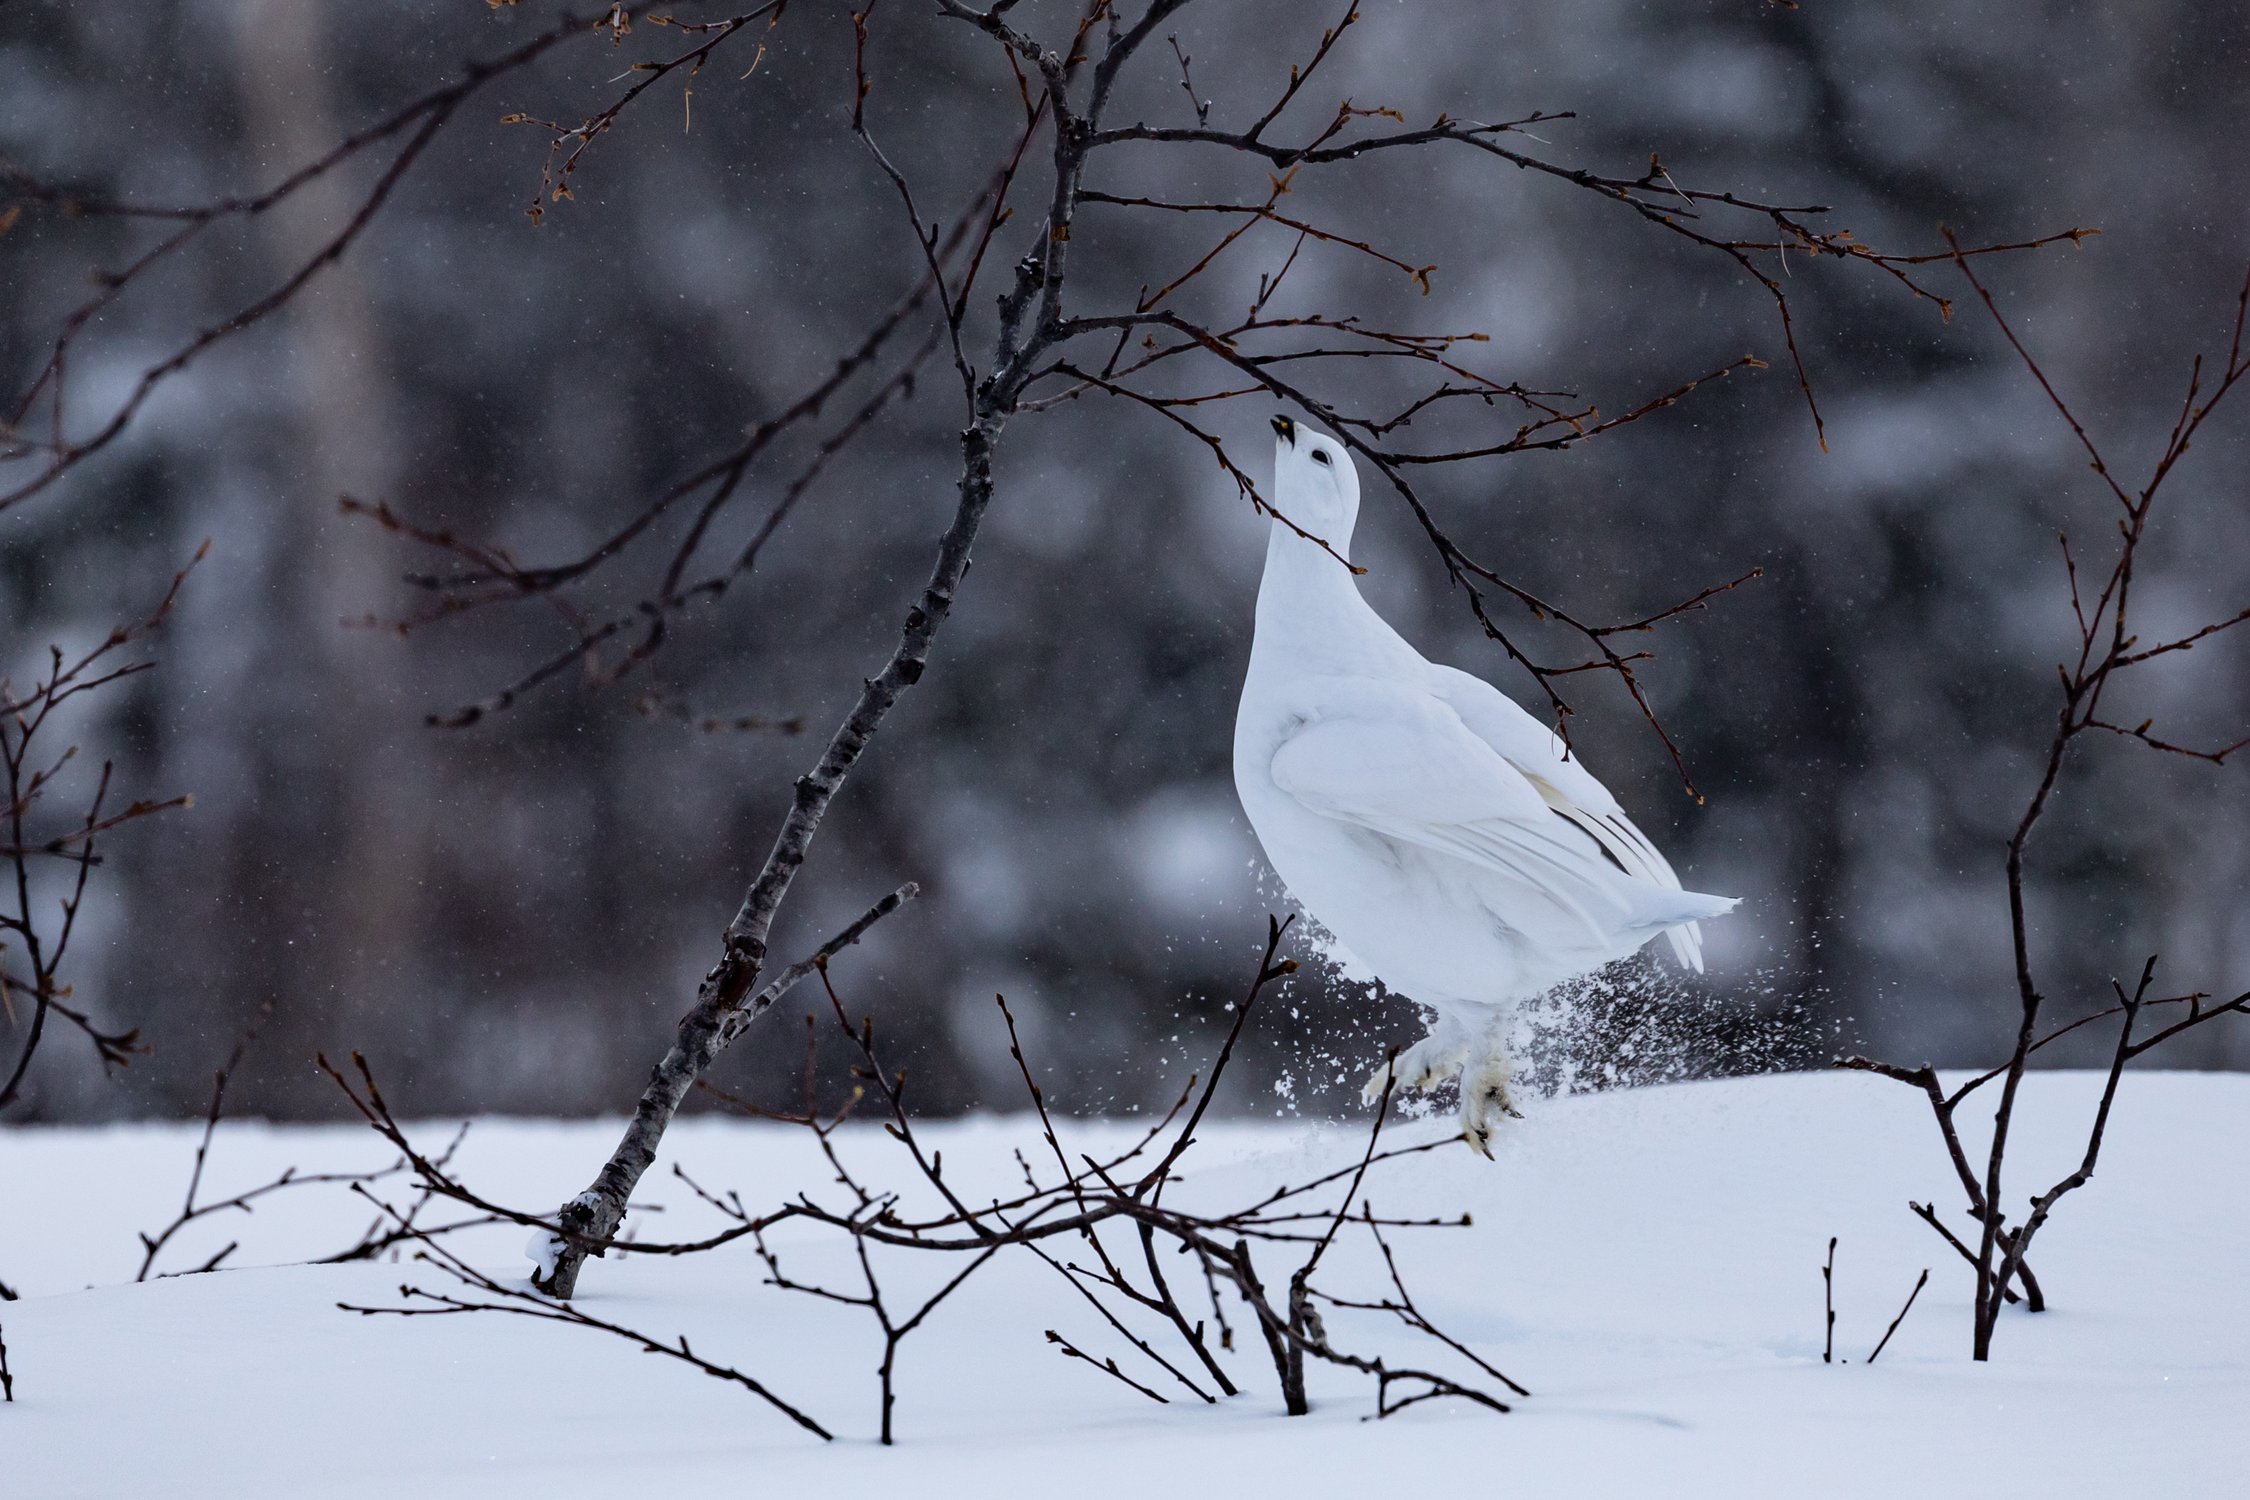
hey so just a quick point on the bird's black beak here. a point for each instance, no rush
(1286, 430)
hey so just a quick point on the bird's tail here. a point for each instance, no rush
(1677, 914)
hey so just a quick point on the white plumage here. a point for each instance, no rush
(1447, 838)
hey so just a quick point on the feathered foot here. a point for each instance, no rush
(1422, 1067)
(1485, 1096)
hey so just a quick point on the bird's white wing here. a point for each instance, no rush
(1403, 765)
(1564, 784)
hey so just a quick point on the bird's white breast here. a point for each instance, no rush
(1433, 926)
(1421, 920)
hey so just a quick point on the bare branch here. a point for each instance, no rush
(1884, 1342)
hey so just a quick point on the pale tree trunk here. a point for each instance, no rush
(320, 567)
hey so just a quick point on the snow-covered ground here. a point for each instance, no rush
(1647, 1262)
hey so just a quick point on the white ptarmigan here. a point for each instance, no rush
(1446, 838)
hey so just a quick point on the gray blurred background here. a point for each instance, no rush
(508, 918)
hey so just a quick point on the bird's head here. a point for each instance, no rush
(1314, 482)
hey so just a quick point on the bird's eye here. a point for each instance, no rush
(1320, 458)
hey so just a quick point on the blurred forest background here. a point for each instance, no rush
(508, 917)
